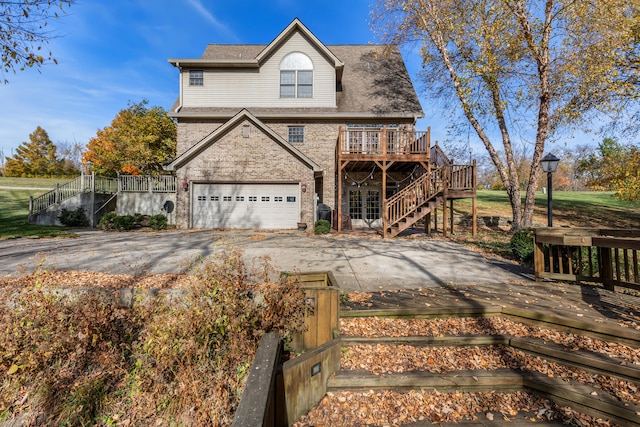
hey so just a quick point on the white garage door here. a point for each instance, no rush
(246, 205)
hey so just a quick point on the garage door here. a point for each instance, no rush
(246, 205)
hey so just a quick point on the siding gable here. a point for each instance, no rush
(260, 87)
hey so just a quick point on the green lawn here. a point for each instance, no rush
(14, 213)
(570, 208)
(31, 182)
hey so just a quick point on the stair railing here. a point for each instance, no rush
(406, 201)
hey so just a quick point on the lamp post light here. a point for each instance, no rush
(549, 165)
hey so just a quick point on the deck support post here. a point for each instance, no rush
(385, 216)
(451, 215)
(338, 186)
(474, 211)
(435, 219)
(427, 224)
(444, 214)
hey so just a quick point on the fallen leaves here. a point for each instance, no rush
(384, 327)
(390, 408)
(84, 279)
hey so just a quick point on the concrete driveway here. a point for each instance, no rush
(358, 263)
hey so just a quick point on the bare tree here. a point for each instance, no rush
(24, 31)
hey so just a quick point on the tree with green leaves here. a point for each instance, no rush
(24, 31)
(37, 157)
(140, 140)
(614, 167)
(521, 70)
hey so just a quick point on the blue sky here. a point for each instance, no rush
(113, 52)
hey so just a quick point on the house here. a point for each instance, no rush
(270, 134)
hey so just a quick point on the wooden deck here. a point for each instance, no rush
(405, 152)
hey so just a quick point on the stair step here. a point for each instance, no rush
(481, 380)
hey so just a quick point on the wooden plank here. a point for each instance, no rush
(484, 310)
(323, 317)
(580, 358)
(419, 341)
(605, 270)
(303, 390)
(538, 259)
(615, 334)
(257, 404)
(577, 240)
(498, 379)
(617, 242)
(583, 398)
(310, 336)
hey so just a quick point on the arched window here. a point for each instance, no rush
(296, 76)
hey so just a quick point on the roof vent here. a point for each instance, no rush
(240, 56)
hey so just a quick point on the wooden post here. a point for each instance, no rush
(338, 224)
(451, 209)
(474, 211)
(427, 223)
(538, 257)
(435, 219)
(606, 269)
(339, 203)
(385, 215)
(444, 215)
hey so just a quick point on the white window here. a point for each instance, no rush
(296, 134)
(196, 78)
(296, 76)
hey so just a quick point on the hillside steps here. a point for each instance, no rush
(581, 397)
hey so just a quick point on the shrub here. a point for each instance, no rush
(83, 361)
(106, 222)
(158, 222)
(74, 218)
(322, 226)
(124, 222)
(213, 337)
(522, 245)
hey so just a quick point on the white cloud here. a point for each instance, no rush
(212, 19)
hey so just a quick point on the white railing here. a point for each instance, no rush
(143, 184)
(102, 185)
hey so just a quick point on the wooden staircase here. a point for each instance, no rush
(382, 377)
(414, 202)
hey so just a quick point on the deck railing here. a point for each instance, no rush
(438, 157)
(143, 184)
(606, 256)
(461, 177)
(60, 193)
(102, 185)
(405, 201)
(383, 142)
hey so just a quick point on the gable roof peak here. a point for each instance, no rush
(297, 26)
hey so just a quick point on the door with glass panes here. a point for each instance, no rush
(364, 206)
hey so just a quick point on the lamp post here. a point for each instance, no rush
(549, 165)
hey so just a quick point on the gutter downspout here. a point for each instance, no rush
(181, 84)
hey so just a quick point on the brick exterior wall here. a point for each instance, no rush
(234, 158)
